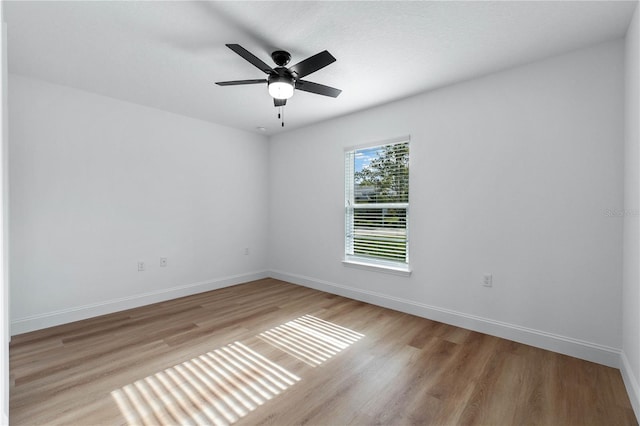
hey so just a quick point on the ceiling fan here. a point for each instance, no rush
(281, 80)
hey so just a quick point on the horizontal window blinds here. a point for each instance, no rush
(377, 202)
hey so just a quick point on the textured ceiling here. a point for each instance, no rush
(168, 54)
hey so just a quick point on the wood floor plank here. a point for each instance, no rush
(273, 353)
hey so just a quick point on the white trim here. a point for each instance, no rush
(377, 266)
(63, 316)
(5, 420)
(631, 383)
(589, 351)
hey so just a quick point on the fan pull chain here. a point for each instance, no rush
(281, 115)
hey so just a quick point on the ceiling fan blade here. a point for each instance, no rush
(318, 89)
(279, 102)
(239, 82)
(257, 62)
(312, 64)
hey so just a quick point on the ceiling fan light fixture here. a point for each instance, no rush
(280, 87)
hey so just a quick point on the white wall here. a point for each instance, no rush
(98, 184)
(511, 174)
(631, 283)
(4, 246)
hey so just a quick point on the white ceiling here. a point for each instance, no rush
(167, 55)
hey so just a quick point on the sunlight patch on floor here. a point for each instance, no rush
(310, 339)
(218, 388)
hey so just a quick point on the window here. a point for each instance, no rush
(377, 205)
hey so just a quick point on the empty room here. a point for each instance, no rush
(324, 213)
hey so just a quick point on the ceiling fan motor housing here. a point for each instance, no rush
(282, 75)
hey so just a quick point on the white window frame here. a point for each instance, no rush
(363, 262)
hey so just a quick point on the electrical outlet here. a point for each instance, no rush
(487, 280)
(246, 251)
(140, 266)
(163, 262)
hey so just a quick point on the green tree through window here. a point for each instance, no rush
(387, 173)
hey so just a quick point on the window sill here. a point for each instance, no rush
(375, 267)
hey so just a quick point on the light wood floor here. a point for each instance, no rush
(270, 352)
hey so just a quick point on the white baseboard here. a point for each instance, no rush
(631, 383)
(565, 345)
(64, 316)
